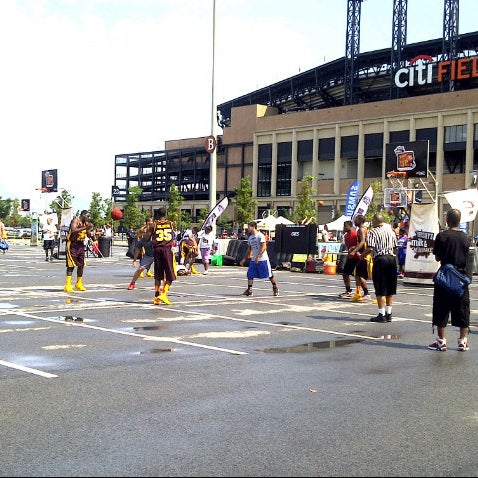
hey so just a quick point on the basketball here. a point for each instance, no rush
(320, 203)
(116, 214)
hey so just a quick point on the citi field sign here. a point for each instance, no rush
(423, 70)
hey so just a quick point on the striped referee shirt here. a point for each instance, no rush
(383, 240)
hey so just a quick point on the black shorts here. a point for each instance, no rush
(48, 244)
(384, 275)
(349, 266)
(362, 269)
(444, 305)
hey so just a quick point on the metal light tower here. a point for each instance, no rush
(352, 49)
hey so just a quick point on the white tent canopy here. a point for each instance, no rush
(338, 224)
(269, 223)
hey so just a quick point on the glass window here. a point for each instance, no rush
(265, 153)
(373, 145)
(349, 146)
(399, 136)
(455, 134)
(326, 148)
(264, 180)
(283, 185)
(284, 152)
(304, 150)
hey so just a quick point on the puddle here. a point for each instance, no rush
(150, 327)
(326, 344)
(157, 351)
(7, 305)
(313, 346)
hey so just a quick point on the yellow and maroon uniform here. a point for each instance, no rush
(163, 239)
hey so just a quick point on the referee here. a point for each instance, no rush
(382, 243)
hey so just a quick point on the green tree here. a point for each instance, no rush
(305, 206)
(201, 216)
(15, 218)
(186, 220)
(246, 206)
(174, 207)
(377, 204)
(132, 214)
(97, 210)
(225, 221)
(5, 208)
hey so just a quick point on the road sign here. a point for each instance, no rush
(210, 143)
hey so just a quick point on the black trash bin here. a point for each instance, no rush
(472, 262)
(104, 245)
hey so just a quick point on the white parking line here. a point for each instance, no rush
(28, 369)
(132, 334)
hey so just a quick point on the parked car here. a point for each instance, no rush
(19, 232)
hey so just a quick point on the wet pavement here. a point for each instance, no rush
(104, 383)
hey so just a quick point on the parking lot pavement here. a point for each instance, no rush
(220, 384)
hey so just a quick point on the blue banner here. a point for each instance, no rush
(352, 199)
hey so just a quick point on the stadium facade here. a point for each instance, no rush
(309, 125)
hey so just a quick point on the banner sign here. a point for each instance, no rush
(420, 263)
(409, 158)
(215, 212)
(352, 197)
(466, 201)
(49, 180)
(25, 205)
(363, 204)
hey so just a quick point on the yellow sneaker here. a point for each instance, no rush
(150, 274)
(156, 300)
(79, 286)
(142, 275)
(194, 271)
(356, 298)
(68, 288)
(164, 299)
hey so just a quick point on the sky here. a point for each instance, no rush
(84, 80)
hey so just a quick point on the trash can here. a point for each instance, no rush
(472, 262)
(104, 245)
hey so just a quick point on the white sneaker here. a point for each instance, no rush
(204, 273)
(463, 345)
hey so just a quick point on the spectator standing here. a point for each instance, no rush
(259, 264)
(130, 235)
(207, 246)
(107, 231)
(382, 243)
(401, 251)
(3, 231)
(451, 247)
(49, 232)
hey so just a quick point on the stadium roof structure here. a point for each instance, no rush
(324, 86)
